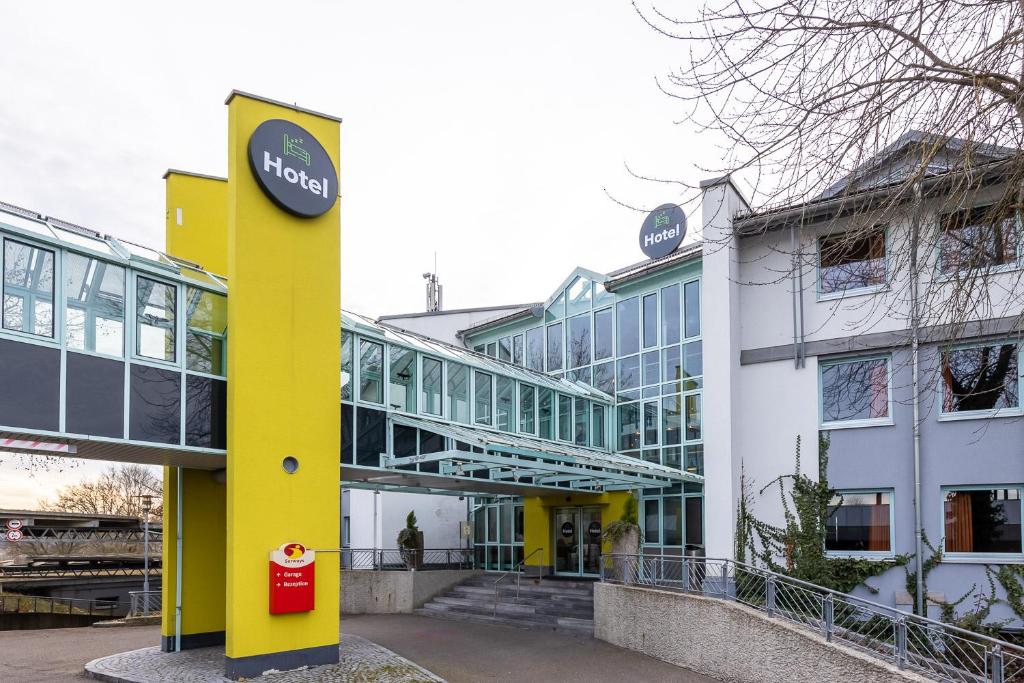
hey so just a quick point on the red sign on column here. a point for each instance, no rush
(292, 573)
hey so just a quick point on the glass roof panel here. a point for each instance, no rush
(17, 221)
(97, 244)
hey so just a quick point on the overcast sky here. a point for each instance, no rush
(489, 133)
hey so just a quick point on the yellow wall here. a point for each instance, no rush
(537, 531)
(202, 237)
(284, 381)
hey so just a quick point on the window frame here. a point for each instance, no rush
(854, 291)
(942, 276)
(57, 313)
(986, 557)
(1017, 411)
(178, 327)
(859, 422)
(870, 554)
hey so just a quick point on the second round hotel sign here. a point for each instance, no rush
(663, 231)
(293, 168)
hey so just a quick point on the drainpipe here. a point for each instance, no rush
(793, 288)
(915, 324)
(177, 566)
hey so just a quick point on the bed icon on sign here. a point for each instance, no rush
(291, 148)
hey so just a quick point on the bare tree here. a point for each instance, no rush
(117, 491)
(842, 117)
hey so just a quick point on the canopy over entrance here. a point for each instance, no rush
(480, 461)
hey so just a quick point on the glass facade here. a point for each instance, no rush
(641, 344)
(108, 339)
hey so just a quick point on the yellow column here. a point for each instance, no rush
(202, 559)
(197, 219)
(283, 387)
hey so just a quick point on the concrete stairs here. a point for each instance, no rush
(551, 604)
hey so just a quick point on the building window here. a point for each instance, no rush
(564, 417)
(505, 349)
(482, 398)
(346, 366)
(598, 427)
(982, 521)
(979, 238)
(555, 354)
(980, 378)
(535, 349)
(670, 309)
(156, 304)
(671, 416)
(603, 334)
(346, 531)
(860, 522)
(517, 349)
(371, 372)
(851, 261)
(628, 326)
(492, 349)
(402, 378)
(206, 331)
(431, 395)
(650, 321)
(579, 341)
(650, 423)
(545, 414)
(94, 305)
(652, 521)
(578, 296)
(604, 377)
(505, 389)
(581, 426)
(629, 373)
(672, 520)
(526, 409)
(855, 390)
(629, 427)
(458, 393)
(28, 289)
(691, 296)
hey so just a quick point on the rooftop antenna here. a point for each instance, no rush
(435, 291)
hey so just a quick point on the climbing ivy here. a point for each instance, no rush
(800, 541)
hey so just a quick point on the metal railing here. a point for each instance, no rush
(426, 559)
(143, 603)
(13, 603)
(519, 575)
(932, 648)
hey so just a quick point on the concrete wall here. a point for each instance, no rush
(393, 592)
(727, 641)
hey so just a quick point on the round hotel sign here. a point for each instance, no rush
(568, 529)
(663, 231)
(293, 168)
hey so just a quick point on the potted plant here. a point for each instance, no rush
(410, 543)
(624, 536)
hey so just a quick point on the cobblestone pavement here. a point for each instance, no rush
(361, 662)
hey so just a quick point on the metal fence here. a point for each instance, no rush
(931, 648)
(11, 603)
(144, 603)
(426, 559)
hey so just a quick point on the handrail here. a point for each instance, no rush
(934, 648)
(518, 576)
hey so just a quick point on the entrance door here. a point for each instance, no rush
(577, 533)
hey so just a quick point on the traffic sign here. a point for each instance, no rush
(13, 535)
(15, 524)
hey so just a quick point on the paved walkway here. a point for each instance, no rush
(455, 651)
(461, 651)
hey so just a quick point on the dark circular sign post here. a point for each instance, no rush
(663, 231)
(293, 168)
(568, 529)
(594, 530)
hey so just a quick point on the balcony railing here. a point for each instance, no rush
(934, 649)
(144, 603)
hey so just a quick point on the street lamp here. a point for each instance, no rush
(147, 505)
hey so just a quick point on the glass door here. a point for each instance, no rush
(590, 541)
(567, 541)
